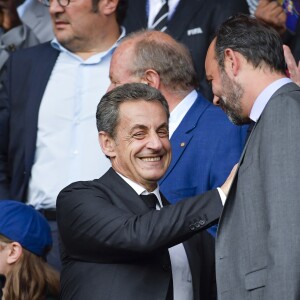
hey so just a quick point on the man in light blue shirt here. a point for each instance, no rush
(58, 86)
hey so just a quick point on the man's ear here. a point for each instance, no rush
(151, 78)
(107, 144)
(14, 253)
(232, 62)
(108, 7)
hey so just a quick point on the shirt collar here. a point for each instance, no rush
(180, 110)
(140, 190)
(184, 105)
(264, 97)
(96, 58)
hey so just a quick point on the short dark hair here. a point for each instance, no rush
(258, 42)
(169, 58)
(120, 12)
(107, 114)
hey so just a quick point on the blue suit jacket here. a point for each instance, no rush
(205, 147)
(23, 82)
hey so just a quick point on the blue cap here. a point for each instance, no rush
(23, 224)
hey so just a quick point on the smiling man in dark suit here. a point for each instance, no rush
(114, 246)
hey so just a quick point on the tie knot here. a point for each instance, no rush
(150, 200)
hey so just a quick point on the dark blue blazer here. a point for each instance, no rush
(205, 147)
(23, 81)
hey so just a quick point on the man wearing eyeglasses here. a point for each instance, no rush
(48, 101)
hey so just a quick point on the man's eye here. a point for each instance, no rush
(163, 133)
(139, 135)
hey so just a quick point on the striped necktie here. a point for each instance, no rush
(161, 19)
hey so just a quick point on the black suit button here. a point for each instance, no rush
(167, 267)
(202, 222)
(192, 227)
(197, 225)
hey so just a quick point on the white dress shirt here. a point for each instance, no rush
(180, 110)
(181, 272)
(67, 147)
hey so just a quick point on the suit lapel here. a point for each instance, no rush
(234, 181)
(184, 133)
(38, 78)
(138, 11)
(164, 201)
(127, 198)
(184, 12)
(284, 89)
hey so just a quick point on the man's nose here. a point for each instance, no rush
(55, 7)
(155, 142)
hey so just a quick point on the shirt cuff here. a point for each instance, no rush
(222, 195)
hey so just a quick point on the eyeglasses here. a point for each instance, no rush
(63, 3)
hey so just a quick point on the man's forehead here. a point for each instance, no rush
(137, 108)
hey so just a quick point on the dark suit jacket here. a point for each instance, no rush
(193, 24)
(205, 147)
(114, 247)
(258, 245)
(23, 82)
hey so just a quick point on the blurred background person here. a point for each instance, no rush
(282, 15)
(47, 106)
(25, 239)
(293, 67)
(191, 22)
(23, 25)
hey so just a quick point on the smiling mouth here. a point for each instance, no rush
(157, 158)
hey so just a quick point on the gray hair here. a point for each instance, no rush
(107, 114)
(169, 58)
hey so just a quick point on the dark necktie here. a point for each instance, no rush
(150, 200)
(161, 19)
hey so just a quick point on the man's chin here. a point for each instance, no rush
(238, 120)
(154, 176)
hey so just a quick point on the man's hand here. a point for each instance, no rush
(272, 13)
(227, 184)
(293, 69)
(8, 14)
